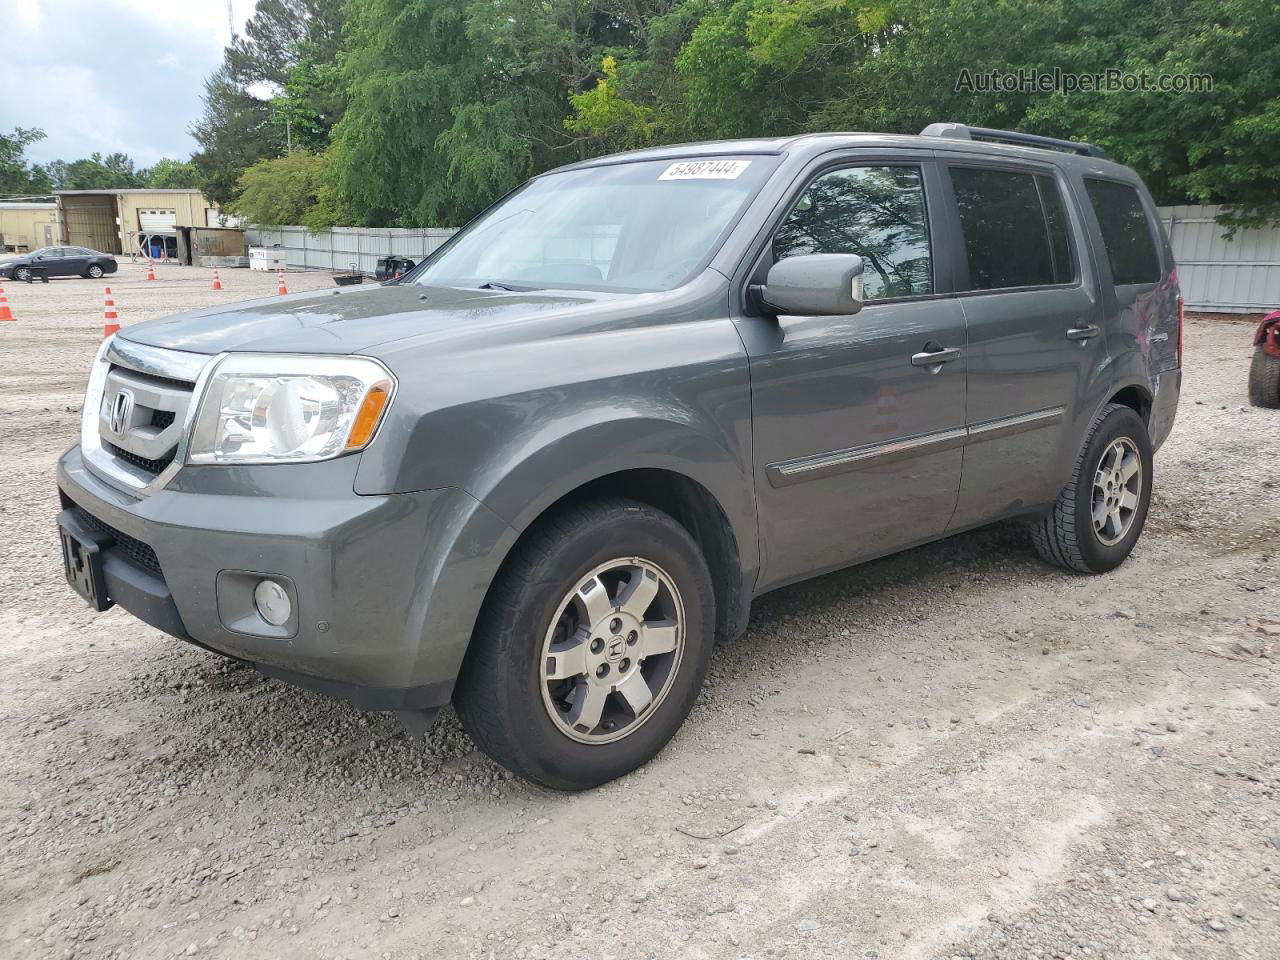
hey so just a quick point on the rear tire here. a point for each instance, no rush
(1100, 513)
(1264, 380)
(542, 688)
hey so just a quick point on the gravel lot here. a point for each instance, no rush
(957, 752)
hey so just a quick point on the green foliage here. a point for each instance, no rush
(425, 111)
(312, 102)
(280, 190)
(281, 73)
(17, 177)
(96, 172)
(234, 133)
(170, 174)
(614, 121)
(455, 102)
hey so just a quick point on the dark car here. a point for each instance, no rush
(543, 472)
(59, 262)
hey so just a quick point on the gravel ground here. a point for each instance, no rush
(958, 752)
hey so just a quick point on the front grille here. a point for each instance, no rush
(151, 430)
(135, 549)
(151, 466)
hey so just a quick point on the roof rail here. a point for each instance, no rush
(958, 131)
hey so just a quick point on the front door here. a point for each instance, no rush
(857, 434)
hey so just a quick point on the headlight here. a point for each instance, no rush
(264, 408)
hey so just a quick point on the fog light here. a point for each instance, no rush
(272, 602)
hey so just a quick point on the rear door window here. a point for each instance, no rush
(1126, 232)
(1015, 228)
(877, 213)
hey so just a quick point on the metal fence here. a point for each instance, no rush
(339, 248)
(1217, 275)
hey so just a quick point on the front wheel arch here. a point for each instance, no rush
(692, 506)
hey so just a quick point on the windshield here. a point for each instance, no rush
(637, 227)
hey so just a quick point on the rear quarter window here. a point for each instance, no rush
(1126, 232)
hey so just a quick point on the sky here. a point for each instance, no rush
(110, 75)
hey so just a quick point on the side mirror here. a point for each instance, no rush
(816, 284)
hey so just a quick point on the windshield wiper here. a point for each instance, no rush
(499, 285)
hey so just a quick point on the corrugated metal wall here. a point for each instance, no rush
(89, 220)
(1240, 275)
(340, 247)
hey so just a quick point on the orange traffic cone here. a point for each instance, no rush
(282, 290)
(217, 284)
(110, 319)
(151, 269)
(6, 315)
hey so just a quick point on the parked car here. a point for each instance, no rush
(540, 475)
(59, 262)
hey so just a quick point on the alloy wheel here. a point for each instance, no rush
(612, 650)
(1117, 491)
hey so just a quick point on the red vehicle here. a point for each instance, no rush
(1264, 374)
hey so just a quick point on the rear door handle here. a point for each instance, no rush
(1084, 333)
(929, 358)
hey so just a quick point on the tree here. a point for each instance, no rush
(95, 172)
(279, 35)
(287, 54)
(170, 174)
(280, 190)
(234, 133)
(455, 102)
(310, 105)
(17, 177)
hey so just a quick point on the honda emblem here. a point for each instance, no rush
(121, 408)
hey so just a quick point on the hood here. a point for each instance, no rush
(347, 320)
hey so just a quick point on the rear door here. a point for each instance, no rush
(1035, 341)
(75, 261)
(856, 442)
(1141, 299)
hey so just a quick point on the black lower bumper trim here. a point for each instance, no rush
(425, 697)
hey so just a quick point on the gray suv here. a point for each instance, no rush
(543, 472)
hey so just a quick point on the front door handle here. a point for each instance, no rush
(1084, 333)
(929, 358)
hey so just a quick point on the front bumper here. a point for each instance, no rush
(387, 587)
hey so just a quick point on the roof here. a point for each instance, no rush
(111, 193)
(812, 144)
(26, 205)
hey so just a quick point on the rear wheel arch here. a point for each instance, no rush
(1134, 396)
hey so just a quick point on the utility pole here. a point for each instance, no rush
(231, 19)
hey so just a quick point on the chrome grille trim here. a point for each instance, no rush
(193, 368)
(157, 361)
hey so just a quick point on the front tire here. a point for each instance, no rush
(1264, 380)
(1100, 513)
(95, 271)
(21, 273)
(591, 647)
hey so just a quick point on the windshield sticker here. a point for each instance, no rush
(705, 170)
